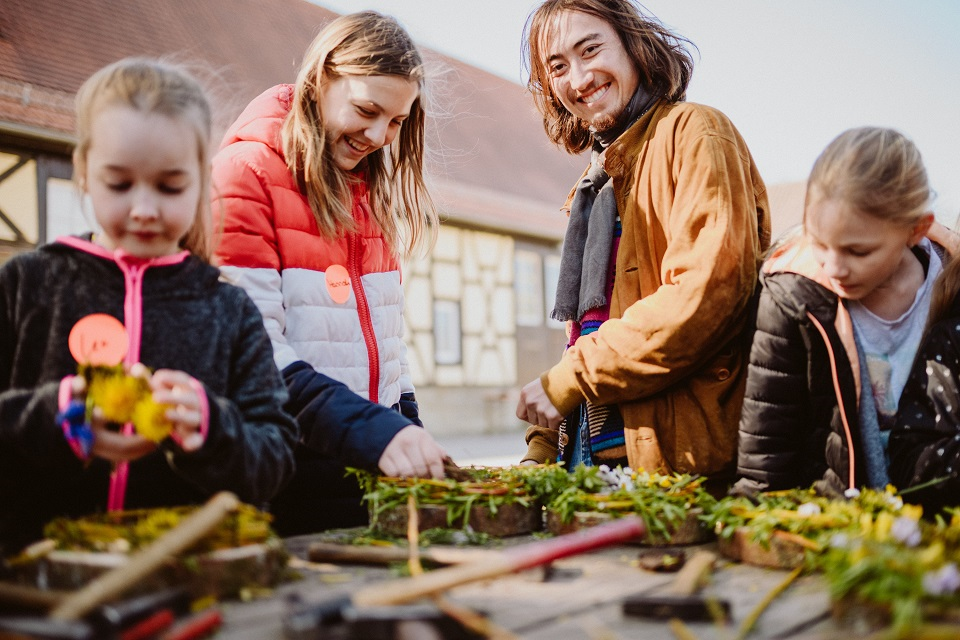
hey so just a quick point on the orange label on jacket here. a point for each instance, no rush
(98, 339)
(338, 283)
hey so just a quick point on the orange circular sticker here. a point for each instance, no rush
(338, 283)
(98, 339)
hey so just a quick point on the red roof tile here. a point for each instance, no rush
(492, 162)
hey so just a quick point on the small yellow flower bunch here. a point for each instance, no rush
(124, 397)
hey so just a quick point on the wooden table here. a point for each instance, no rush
(579, 597)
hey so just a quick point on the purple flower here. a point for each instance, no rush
(944, 581)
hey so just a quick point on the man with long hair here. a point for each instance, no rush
(659, 265)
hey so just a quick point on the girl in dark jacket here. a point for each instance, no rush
(139, 293)
(925, 441)
(840, 317)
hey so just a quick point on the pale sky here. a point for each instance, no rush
(791, 75)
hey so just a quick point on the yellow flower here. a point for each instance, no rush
(150, 420)
(116, 394)
(932, 555)
(912, 511)
(882, 526)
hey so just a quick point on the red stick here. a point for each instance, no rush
(199, 626)
(149, 626)
(515, 559)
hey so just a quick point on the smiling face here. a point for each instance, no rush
(859, 253)
(590, 71)
(364, 113)
(142, 173)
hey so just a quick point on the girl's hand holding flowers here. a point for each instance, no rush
(179, 391)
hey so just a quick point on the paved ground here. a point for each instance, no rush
(488, 449)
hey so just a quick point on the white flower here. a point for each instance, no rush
(896, 502)
(808, 509)
(906, 531)
(851, 493)
(840, 541)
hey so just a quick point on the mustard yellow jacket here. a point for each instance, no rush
(673, 355)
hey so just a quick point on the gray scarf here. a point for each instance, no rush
(593, 217)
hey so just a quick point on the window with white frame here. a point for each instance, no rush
(447, 334)
(528, 288)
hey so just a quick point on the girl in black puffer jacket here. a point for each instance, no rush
(840, 317)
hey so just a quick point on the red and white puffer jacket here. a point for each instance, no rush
(336, 305)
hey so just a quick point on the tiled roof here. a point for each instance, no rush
(489, 154)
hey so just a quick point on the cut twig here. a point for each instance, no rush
(747, 626)
(465, 616)
(680, 630)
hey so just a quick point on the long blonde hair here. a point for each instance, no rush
(660, 56)
(153, 87)
(875, 170)
(880, 172)
(362, 44)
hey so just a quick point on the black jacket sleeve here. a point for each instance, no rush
(775, 406)
(250, 441)
(408, 407)
(29, 432)
(925, 441)
(336, 421)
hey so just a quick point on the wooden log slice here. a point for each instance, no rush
(853, 612)
(779, 554)
(510, 520)
(689, 531)
(222, 573)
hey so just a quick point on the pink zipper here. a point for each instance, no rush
(851, 484)
(133, 321)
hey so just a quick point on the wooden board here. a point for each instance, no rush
(510, 519)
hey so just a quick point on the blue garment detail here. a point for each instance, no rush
(75, 416)
(606, 441)
(580, 452)
(874, 440)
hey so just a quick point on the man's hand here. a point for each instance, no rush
(413, 453)
(536, 408)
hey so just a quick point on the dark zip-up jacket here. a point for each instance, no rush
(178, 315)
(800, 422)
(925, 440)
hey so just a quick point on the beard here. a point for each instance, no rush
(605, 122)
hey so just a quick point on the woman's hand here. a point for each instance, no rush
(413, 453)
(177, 389)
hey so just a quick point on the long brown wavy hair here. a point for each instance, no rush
(661, 57)
(362, 44)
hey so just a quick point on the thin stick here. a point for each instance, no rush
(747, 626)
(413, 536)
(30, 597)
(465, 616)
(680, 630)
